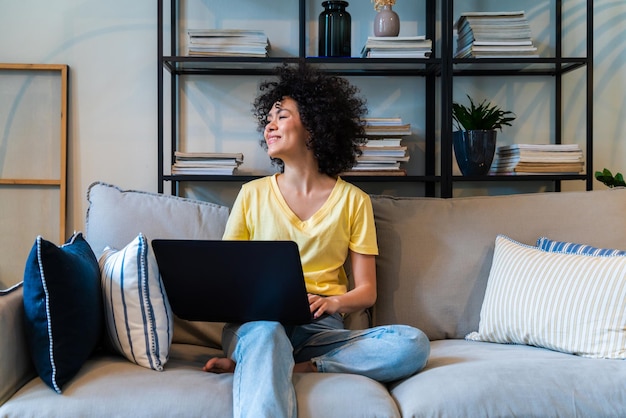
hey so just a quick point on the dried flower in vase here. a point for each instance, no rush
(379, 4)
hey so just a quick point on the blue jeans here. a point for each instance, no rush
(265, 353)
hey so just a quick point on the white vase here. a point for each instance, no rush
(386, 22)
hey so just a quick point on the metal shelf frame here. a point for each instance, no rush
(441, 66)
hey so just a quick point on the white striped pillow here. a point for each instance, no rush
(138, 316)
(564, 302)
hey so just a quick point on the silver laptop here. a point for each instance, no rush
(233, 281)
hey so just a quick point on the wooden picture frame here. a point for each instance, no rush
(33, 161)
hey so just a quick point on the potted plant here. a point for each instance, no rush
(474, 140)
(606, 177)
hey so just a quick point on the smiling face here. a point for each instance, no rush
(284, 133)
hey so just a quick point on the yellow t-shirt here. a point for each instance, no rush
(345, 221)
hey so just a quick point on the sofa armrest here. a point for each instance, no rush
(16, 367)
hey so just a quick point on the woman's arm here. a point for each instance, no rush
(362, 296)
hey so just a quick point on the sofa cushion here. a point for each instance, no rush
(565, 302)
(546, 244)
(115, 217)
(16, 367)
(435, 254)
(62, 307)
(138, 316)
(472, 379)
(109, 386)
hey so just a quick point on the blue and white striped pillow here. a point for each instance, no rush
(564, 302)
(138, 316)
(552, 246)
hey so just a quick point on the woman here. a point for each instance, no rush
(312, 130)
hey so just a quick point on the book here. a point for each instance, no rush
(204, 170)
(540, 147)
(376, 166)
(388, 130)
(397, 172)
(494, 35)
(397, 47)
(180, 155)
(215, 163)
(387, 39)
(397, 152)
(381, 159)
(538, 159)
(227, 42)
(396, 53)
(383, 150)
(543, 169)
(497, 52)
(374, 142)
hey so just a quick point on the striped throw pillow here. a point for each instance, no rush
(138, 316)
(552, 246)
(564, 302)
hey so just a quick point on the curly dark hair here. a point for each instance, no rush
(329, 108)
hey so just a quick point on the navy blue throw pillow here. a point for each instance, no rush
(63, 307)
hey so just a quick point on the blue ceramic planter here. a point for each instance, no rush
(474, 151)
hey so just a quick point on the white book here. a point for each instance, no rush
(376, 166)
(384, 151)
(383, 142)
(504, 43)
(497, 13)
(204, 170)
(206, 163)
(382, 121)
(381, 159)
(387, 39)
(205, 155)
(541, 147)
(397, 54)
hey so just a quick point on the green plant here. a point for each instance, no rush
(606, 177)
(483, 116)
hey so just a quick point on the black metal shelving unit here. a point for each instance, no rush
(441, 66)
(174, 65)
(555, 67)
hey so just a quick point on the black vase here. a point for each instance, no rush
(334, 30)
(474, 151)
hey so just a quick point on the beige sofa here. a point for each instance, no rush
(435, 261)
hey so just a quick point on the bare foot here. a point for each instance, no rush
(219, 365)
(305, 367)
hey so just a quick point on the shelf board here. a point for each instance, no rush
(516, 66)
(354, 66)
(265, 66)
(398, 179)
(246, 178)
(521, 177)
(392, 179)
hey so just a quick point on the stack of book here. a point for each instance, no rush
(538, 159)
(215, 163)
(397, 47)
(494, 35)
(228, 43)
(383, 151)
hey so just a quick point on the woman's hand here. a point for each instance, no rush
(362, 296)
(323, 305)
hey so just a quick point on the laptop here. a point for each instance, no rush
(233, 281)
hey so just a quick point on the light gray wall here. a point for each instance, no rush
(111, 50)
